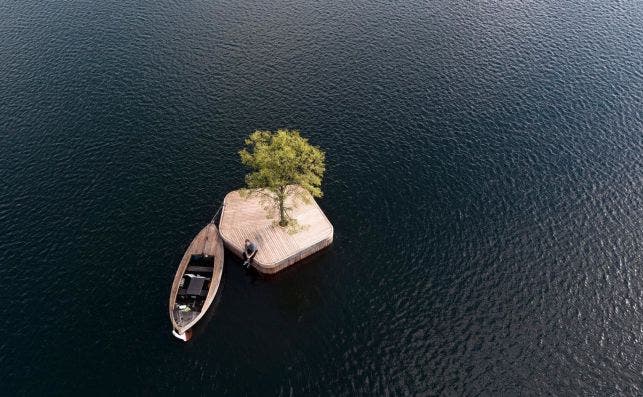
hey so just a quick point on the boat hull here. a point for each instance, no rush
(207, 243)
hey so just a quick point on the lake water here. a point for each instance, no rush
(484, 178)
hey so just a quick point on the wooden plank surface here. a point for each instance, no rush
(246, 218)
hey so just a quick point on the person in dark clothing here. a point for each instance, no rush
(249, 252)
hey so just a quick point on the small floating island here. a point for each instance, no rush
(287, 174)
(278, 247)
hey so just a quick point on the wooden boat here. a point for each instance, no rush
(196, 281)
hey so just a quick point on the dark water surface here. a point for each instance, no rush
(485, 181)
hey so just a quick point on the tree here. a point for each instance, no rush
(282, 162)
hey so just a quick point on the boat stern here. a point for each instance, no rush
(185, 336)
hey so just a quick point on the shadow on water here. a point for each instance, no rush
(254, 275)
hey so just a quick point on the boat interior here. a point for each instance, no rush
(193, 288)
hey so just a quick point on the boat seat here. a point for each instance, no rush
(196, 286)
(185, 292)
(200, 269)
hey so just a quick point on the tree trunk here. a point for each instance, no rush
(283, 221)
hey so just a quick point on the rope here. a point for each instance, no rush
(216, 214)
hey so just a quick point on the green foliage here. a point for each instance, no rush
(280, 162)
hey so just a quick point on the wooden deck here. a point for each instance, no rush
(245, 218)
